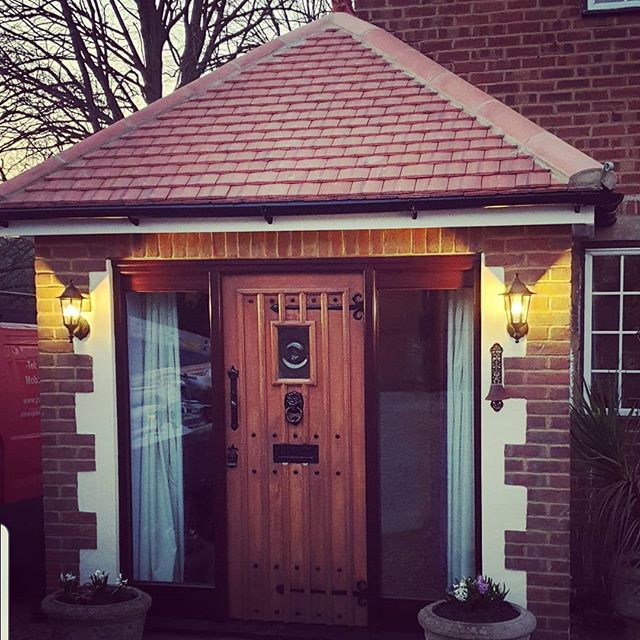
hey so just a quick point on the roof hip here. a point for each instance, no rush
(563, 159)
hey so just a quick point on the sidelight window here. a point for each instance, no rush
(425, 399)
(169, 355)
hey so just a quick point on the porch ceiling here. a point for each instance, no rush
(337, 110)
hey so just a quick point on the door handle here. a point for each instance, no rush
(232, 456)
(361, 593)
(233, 396)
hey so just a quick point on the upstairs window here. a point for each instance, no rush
(611, 5)
(612, 322)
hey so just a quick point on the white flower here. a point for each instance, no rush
(460, 591)
(121, 582)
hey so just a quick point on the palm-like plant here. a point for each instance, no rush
(604, 450)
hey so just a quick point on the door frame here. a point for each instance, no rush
(411, 272)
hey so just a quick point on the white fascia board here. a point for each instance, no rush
(501, 216)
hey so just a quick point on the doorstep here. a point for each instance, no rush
(176, 629)
(26, 622)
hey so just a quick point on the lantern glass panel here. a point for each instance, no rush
(71, 311)
(517, 307)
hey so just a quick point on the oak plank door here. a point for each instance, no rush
(296, 530)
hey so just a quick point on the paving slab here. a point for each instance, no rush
(26, 622)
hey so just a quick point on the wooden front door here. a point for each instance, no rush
(293, 351)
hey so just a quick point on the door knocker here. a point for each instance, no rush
(293, 407)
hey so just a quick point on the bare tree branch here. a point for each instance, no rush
(72, 67)
(17, 302)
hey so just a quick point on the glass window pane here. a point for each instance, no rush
(631, 352)
(604, 382)
(293, 352)
(606, 311)
(171, 437)
(632, 273)
(631, 313)
(606, 273)
(604, 352)
(426, 434)
(630, 390)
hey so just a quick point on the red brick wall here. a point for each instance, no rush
(540, 254)
(64, 373)
(575, 75)
(542, 464)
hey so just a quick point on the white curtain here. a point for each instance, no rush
(460, 447)
(156, 433)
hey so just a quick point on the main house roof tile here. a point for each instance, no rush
(336, 109)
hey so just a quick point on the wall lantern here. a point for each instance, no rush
(516, 305)
(71, 301)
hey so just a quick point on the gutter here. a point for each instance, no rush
(605, 202)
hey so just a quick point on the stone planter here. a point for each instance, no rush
(437, 628)
(122, 620)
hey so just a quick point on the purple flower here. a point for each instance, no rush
(482, 584)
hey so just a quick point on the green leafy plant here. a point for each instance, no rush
(96, 591)
(602, 444)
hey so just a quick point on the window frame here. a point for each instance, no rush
(587, 350)
(448, 271)
(592, 7)
(195, 600)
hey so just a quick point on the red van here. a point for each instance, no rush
(20, 453)
(20, 438)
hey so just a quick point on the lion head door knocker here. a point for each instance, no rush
(293, 407)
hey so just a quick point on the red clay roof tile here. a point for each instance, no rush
(338, 108)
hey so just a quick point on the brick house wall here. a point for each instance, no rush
(575, 75)
(542, 256)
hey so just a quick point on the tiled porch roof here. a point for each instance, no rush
(339, 109)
